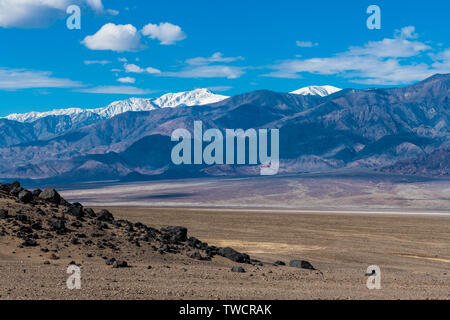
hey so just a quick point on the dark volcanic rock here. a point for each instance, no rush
(3, 214)
(50, 195)
(176, 234)
(29, 243)
(120, 264)
(36, 226)
(36, 193)
(302, 264)
(90, 212)
(279, 263)
(164, 248)
(58, 226)
(15, 188)
(105, 215)
(76, 210)
(25, 196)
(238, 269)
(194, 254)
(194, 242)
(234, 255)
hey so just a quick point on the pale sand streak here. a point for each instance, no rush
(263, 210)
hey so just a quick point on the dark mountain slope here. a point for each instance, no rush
(436, 163)
(352, 128)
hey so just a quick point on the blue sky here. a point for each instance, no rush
(148, 48)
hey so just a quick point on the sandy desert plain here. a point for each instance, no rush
(340, 224)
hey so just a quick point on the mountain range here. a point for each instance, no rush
(317, 90)
(368, 128)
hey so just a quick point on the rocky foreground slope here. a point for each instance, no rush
(44, 220)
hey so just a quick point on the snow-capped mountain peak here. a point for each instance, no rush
(131, 104)
(195, 97)
(169, 100)
(317, 90)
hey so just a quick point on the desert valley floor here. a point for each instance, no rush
(410, 246)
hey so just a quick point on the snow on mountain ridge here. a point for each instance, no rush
(170, 100)
(196, 97)
(317, 90)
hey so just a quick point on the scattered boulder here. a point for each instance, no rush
(279, 263)
(36, 226)
(58, 226)
(302, 264)
(76, 210)
(90, 212)
(234, 255)
(15, 188)
(50, 195)
(47, 215)
(29, 243)
(36, 193)
(238, 269)
(54, 256)
(194, 254)
(176, 234)
(164, 248)
(120, 264)
(194, 242)
(3, 214)
(25, 196)
(105, 215)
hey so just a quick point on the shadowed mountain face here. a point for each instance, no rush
(350, 128)
(436, 163)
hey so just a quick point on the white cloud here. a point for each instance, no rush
(201, 67)
(214, 71)
(127, 80)
(152, 70)
(216, 57)
(390, 61)
(408, 32)
(220, 88)
(306, 44)
(442, 61)
(115, 37)
(14, 79)
(41, 13)
(165, 32)
(102, 62)
(117, 90)
(132, 68)
(391, 48)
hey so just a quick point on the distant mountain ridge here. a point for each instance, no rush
(169, 100)
(21, 128)
(369, 128)
(317, 90)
